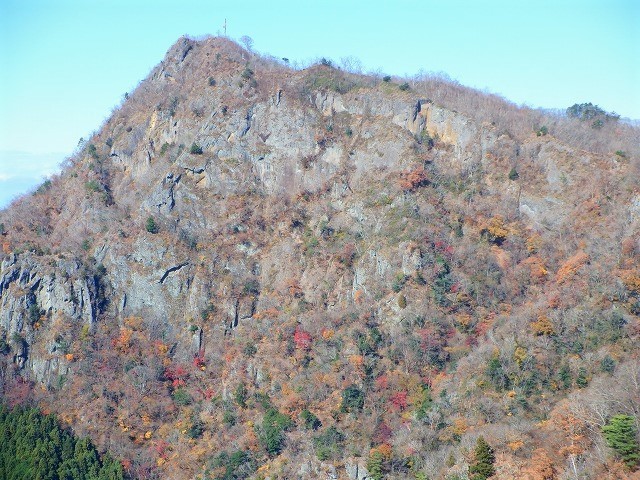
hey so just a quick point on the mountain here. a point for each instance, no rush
(252, 271)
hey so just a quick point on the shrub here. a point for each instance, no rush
(151, 226)
(564, 375)
(251, 287)
(249, 349)
(542, 131)
(196, 429)
(240, 395)
(93, 186)
(238, 465)
(608, 364)
(208, 312)
(513, 174)
(423, 138)
(93, 151)
(402, 302)
(212, 82)
(34, 313)
(582, 380)
(271, 434)
(195, 149)
(247, 73)
(495, 230)
(4, 345)
(352, 399)
(589, 111)
(311, 422)
(163, 149)
(496, 374)
(404, 87)
(182, 397)
(172, 106)
(412, 179)
(229, 418)
(328, 444)
(386, 78)
(328, 80)
(398, 282)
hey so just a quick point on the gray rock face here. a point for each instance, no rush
(37, 295)
(59, 287)
(454, 129)
(274, 146)
(356, 471)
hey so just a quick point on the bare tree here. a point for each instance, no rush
(247, 41)
(351, 64)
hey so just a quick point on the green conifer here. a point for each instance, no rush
(484, 458)
(620, 434)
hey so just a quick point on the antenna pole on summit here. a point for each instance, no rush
(225, 27)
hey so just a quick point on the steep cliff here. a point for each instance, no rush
(241, 240)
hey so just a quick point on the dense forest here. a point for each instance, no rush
(34, 446)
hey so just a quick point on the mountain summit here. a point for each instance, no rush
(252, 271)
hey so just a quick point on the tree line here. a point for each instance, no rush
(34, 446)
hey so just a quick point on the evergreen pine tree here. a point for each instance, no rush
(374, 465)
(484, 458)
(151, 226)
(620, 434)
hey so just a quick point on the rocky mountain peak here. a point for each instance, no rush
(327, 275)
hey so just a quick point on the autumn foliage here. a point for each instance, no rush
(571, 266)
(302, 339)
(412, 179)
(329, 292)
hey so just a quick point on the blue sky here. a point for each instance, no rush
(65, 64)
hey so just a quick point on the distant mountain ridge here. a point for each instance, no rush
(22, 171)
